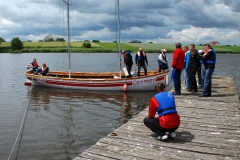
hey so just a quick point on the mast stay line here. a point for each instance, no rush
(69, 62)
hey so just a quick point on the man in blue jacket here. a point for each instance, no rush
(127, 61)
(186, 66)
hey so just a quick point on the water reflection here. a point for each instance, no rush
(62, 123)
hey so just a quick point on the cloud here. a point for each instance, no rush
(204, 35)
(195, 21)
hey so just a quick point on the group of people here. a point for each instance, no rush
(140, 61)
(201, 63)
(193, 62)
(44, 70)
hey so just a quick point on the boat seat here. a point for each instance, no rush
(92, 74)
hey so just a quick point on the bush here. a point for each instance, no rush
(96, 41)
(135, 41)
(86, 45)
(16, 44)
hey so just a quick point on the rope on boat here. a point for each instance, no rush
(152, 67)
(22, 123)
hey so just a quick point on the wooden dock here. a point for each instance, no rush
(209, 130)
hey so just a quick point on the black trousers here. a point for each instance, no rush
(129, 68)
(192, 79)
(153, 125)
(144, 67)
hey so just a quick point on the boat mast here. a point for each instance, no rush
(69, 62)
(119, 52)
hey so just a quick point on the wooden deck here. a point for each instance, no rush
(209, 130)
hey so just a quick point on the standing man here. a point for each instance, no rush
(140, 60)
(194, 63)
(186, 66)
(127, 61)
(177, 65)
(209, 60)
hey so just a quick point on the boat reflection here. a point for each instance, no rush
(62, 123)
(127, 104)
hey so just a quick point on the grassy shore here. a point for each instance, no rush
(103, 47)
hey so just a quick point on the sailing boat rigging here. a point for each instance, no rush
(109, 81)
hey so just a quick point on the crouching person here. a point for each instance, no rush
(168, 120)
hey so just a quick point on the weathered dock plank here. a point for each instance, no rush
(209, 129)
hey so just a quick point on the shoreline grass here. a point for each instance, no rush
(103, 47)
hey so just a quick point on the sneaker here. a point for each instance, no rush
(174, 93)
(162, 137)
(172, 134)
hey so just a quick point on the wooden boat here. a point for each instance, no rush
(110, 81)
(98, 81)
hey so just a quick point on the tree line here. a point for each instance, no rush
(17, 44)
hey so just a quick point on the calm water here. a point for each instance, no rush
(60, 124)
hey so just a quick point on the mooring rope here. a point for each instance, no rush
(152, 67)
(22, 123)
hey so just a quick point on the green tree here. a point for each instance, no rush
(86, 45)
(16, 44)
(60, 39)
(49, 38)
(96, 41)
(2, 40)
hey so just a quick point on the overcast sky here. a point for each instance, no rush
(158, 21)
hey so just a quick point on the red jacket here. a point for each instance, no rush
(168, 121)
(178, 59)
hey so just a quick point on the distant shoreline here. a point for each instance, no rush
(103, 47)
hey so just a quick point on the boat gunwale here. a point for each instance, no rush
(93, 78)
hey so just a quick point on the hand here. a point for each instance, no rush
(136, 64)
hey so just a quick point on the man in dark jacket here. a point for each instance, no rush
(194, 64)
(128, 61)
(140, 60)
(208, 60)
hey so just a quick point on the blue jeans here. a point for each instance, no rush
(177, 81)
(202, 74)
(207, 87)
(186, 75)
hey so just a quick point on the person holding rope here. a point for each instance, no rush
(140, 60)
